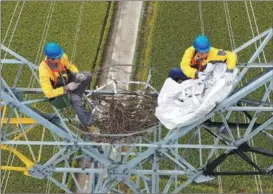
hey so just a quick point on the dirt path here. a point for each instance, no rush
(121, 46)
(120, 54)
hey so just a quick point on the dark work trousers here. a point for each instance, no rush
(53, 118)
(83, 115)
(177, 74)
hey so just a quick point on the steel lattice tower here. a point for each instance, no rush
(149, 158)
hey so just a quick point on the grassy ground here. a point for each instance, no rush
(79, 27)
(172, 28)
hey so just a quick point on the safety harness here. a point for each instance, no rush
(54, 69)
(65, 100)
(197, 64)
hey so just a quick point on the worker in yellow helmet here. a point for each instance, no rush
(197, 57)
(58, 76)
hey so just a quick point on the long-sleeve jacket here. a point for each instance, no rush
(190, 66)
(49, 73)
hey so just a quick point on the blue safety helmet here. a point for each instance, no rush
(53, 50)
(201, 44)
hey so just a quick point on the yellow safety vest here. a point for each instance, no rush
(48, 76)
(189, 65)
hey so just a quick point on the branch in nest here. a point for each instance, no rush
(126, 113)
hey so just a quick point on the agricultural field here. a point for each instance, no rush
(170, 28)
(25, 28)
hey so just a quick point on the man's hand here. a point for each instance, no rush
(80, 77)
(202, 76)
(229, 77)
(209, 68)
(71, 86)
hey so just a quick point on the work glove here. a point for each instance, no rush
(229, 77)
(209, 68)
(71, 86)
(201, 75)
(80, 77)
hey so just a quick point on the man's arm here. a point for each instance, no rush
(231, 60)
(46, 86)
(69, 65)
(186, 63)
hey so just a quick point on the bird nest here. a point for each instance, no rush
(124, 115)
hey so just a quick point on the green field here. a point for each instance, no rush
(80, 28)
(172, 26)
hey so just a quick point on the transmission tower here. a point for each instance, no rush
(190, 154)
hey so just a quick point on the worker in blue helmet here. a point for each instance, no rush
(197, 57)
(58, 76)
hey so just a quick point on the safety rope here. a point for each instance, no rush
(7, 173)
(232, 41)
(254, 157)
(251, 28)
(232, 44)
(78, 28)
(15, 27)
(31, 83)
(11, 21)
(40, 54)
(228, 20)
(241, 84)
(201, 17)
(41, 45)
(258, 32)
(257, 29)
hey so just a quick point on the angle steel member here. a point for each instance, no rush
(148, 164)
(114, 174)
(40, 171)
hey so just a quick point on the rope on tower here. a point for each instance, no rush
(14, 29)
